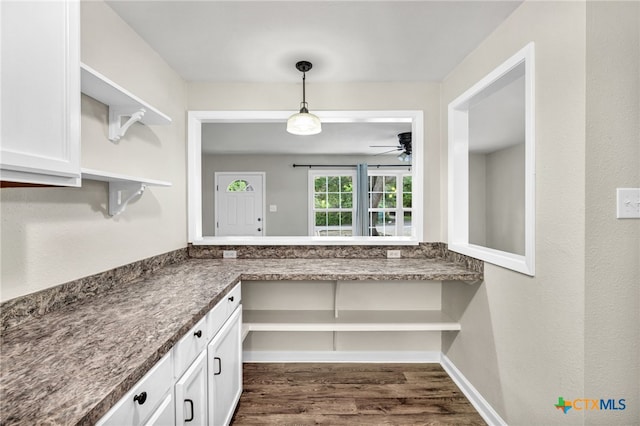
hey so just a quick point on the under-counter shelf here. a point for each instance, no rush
(122, 188)
(121, 102)
(347, 320)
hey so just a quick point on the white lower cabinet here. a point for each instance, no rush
(198, 382)
(191, 394)
(145, 400)
(225, 370)
(164, 414)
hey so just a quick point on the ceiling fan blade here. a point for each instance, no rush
(386, 152)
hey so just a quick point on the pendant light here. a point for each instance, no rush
(303, 122)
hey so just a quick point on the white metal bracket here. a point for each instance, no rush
(121, 193)
(116, 128)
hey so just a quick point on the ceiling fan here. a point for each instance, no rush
(404, 145)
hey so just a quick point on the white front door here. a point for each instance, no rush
(239, 204)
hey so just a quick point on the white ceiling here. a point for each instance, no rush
(272, 138)
(357, 40)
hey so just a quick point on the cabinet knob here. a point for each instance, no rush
(231, 299)
(140, 398)
(259, 229)
(198, 334)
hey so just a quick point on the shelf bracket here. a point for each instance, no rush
(116, 128)
(121, 193)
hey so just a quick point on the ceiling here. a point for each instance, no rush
(356, 40)
(272, 138)
(347, 41)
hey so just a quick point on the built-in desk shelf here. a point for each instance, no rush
(121, 103)
(122, 188)
(370, 320)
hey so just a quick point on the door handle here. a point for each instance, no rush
(219, 366)
(190, 403)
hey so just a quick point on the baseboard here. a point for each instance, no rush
(342, 356)
(479, 403)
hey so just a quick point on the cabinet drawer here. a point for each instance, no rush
(149, 393)
(223, 309)
(188, 348)
(233, 299)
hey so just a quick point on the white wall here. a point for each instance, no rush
(522, 338)
(54, 235)
(343, 96)
(612, 286)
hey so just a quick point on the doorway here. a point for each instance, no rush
(239, 203)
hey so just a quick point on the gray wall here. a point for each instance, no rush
(496, 199)
(612, 292)
(572, 329)
(287, 187)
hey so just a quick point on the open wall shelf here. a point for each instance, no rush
(122, 188)
(121, 103)
(347, 320)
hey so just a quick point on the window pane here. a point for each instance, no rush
(406, 184)
(406, 231)
(321, 201)
(333, 219)
(390, 184)
(346, 200)
(333, 184)
(390, 201)
(321, 219)
(239, 185)
(320, 184)
(333, 201)
(376, 200)
(346, 219)
(406, 200)
(346, 183)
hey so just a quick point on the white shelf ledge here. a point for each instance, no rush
(291, 320)
(121, 102)
(122, 189)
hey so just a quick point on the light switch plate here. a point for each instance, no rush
(628, 203)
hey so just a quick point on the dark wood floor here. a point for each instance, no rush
(352, 394)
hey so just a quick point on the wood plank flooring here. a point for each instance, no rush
(351, 394)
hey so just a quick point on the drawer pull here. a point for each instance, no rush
(141, 398)
(198, 334)
(219, 366)
(231, 299)
(190, 402)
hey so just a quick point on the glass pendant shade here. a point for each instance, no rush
(304, 123)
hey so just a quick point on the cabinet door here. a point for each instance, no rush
(191, 394)
(225, 370)
(165, 414)
(40, 113)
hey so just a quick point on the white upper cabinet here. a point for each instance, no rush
(40, 118)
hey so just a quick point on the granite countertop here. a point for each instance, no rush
(71, 365)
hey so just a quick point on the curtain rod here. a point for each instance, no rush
(377, 166)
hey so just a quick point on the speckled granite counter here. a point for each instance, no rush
(71, 365)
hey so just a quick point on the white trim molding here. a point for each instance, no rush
(343, 356)
(479, 403)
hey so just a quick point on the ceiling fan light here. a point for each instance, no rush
(304, 123)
